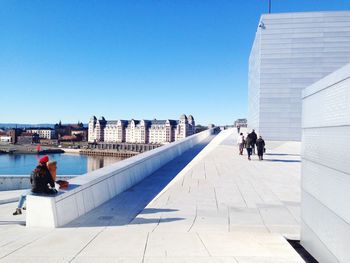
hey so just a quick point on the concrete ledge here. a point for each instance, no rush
(17, 182)
(42, 211)
(9, 196)
(91, 190)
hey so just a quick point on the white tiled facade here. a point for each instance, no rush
(114, 131)
(140, 131)
(137, 132)
(325, 168)
(5, 139)
(96, 129)
(290, 52)
(43, 133)
(161, 132)
(185, 127)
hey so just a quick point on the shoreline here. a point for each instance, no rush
(68, 150)
(109, 153)
(28, 149)
(31, 150)
(49, 151)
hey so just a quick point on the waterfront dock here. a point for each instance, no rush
(208, 205)
(28, 149)
(111, 153)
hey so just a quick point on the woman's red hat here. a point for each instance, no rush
(44, 159)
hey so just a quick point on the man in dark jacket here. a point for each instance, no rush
(254, 138)
(260, 145)
(248, 145)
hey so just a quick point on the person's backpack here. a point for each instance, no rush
(63, 184)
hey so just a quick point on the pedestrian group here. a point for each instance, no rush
(249, 142)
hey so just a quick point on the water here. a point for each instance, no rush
(67, 164)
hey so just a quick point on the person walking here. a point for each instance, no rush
(240, 143)
(260, 145)
(248, 145)
(238, 129)
(254, 138)
(40, 180)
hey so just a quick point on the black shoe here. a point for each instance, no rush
(17, 212)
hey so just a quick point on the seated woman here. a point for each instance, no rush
(41, 181)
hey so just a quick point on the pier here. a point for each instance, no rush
(112, 153)
(28, 149)
(124, 146)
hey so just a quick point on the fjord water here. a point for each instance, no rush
(67, 164)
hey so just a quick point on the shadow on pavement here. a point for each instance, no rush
(22, 223)
(302, 251)
(282, 154)
(140, 220)
(123, 208)
(156, 210)
(282, 161)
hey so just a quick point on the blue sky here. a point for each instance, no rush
(67, 60)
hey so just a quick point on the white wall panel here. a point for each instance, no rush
(254, 83)
(326, 167)
(328, 146)
(315, 245)
(292, 51)
(323, 182)
(333, 232)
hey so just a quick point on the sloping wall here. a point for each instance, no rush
(326, 168)
(93, 189)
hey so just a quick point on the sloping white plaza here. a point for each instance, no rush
(218, 207)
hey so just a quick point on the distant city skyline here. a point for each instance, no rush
(67, 60)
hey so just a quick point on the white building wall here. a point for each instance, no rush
(91, 133)
(43, 133)
(291, 51)
(99, 131)
(158, 134)
(325, 168)
(121, 132)
(130, 132)
(92, 130)
(138, 135)
(111, 132)
(5, 139)
(254, 83)
(139, 131)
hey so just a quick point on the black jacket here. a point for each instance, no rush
(40, 179)
(248, 142)
(253, 136)
(260, 144)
